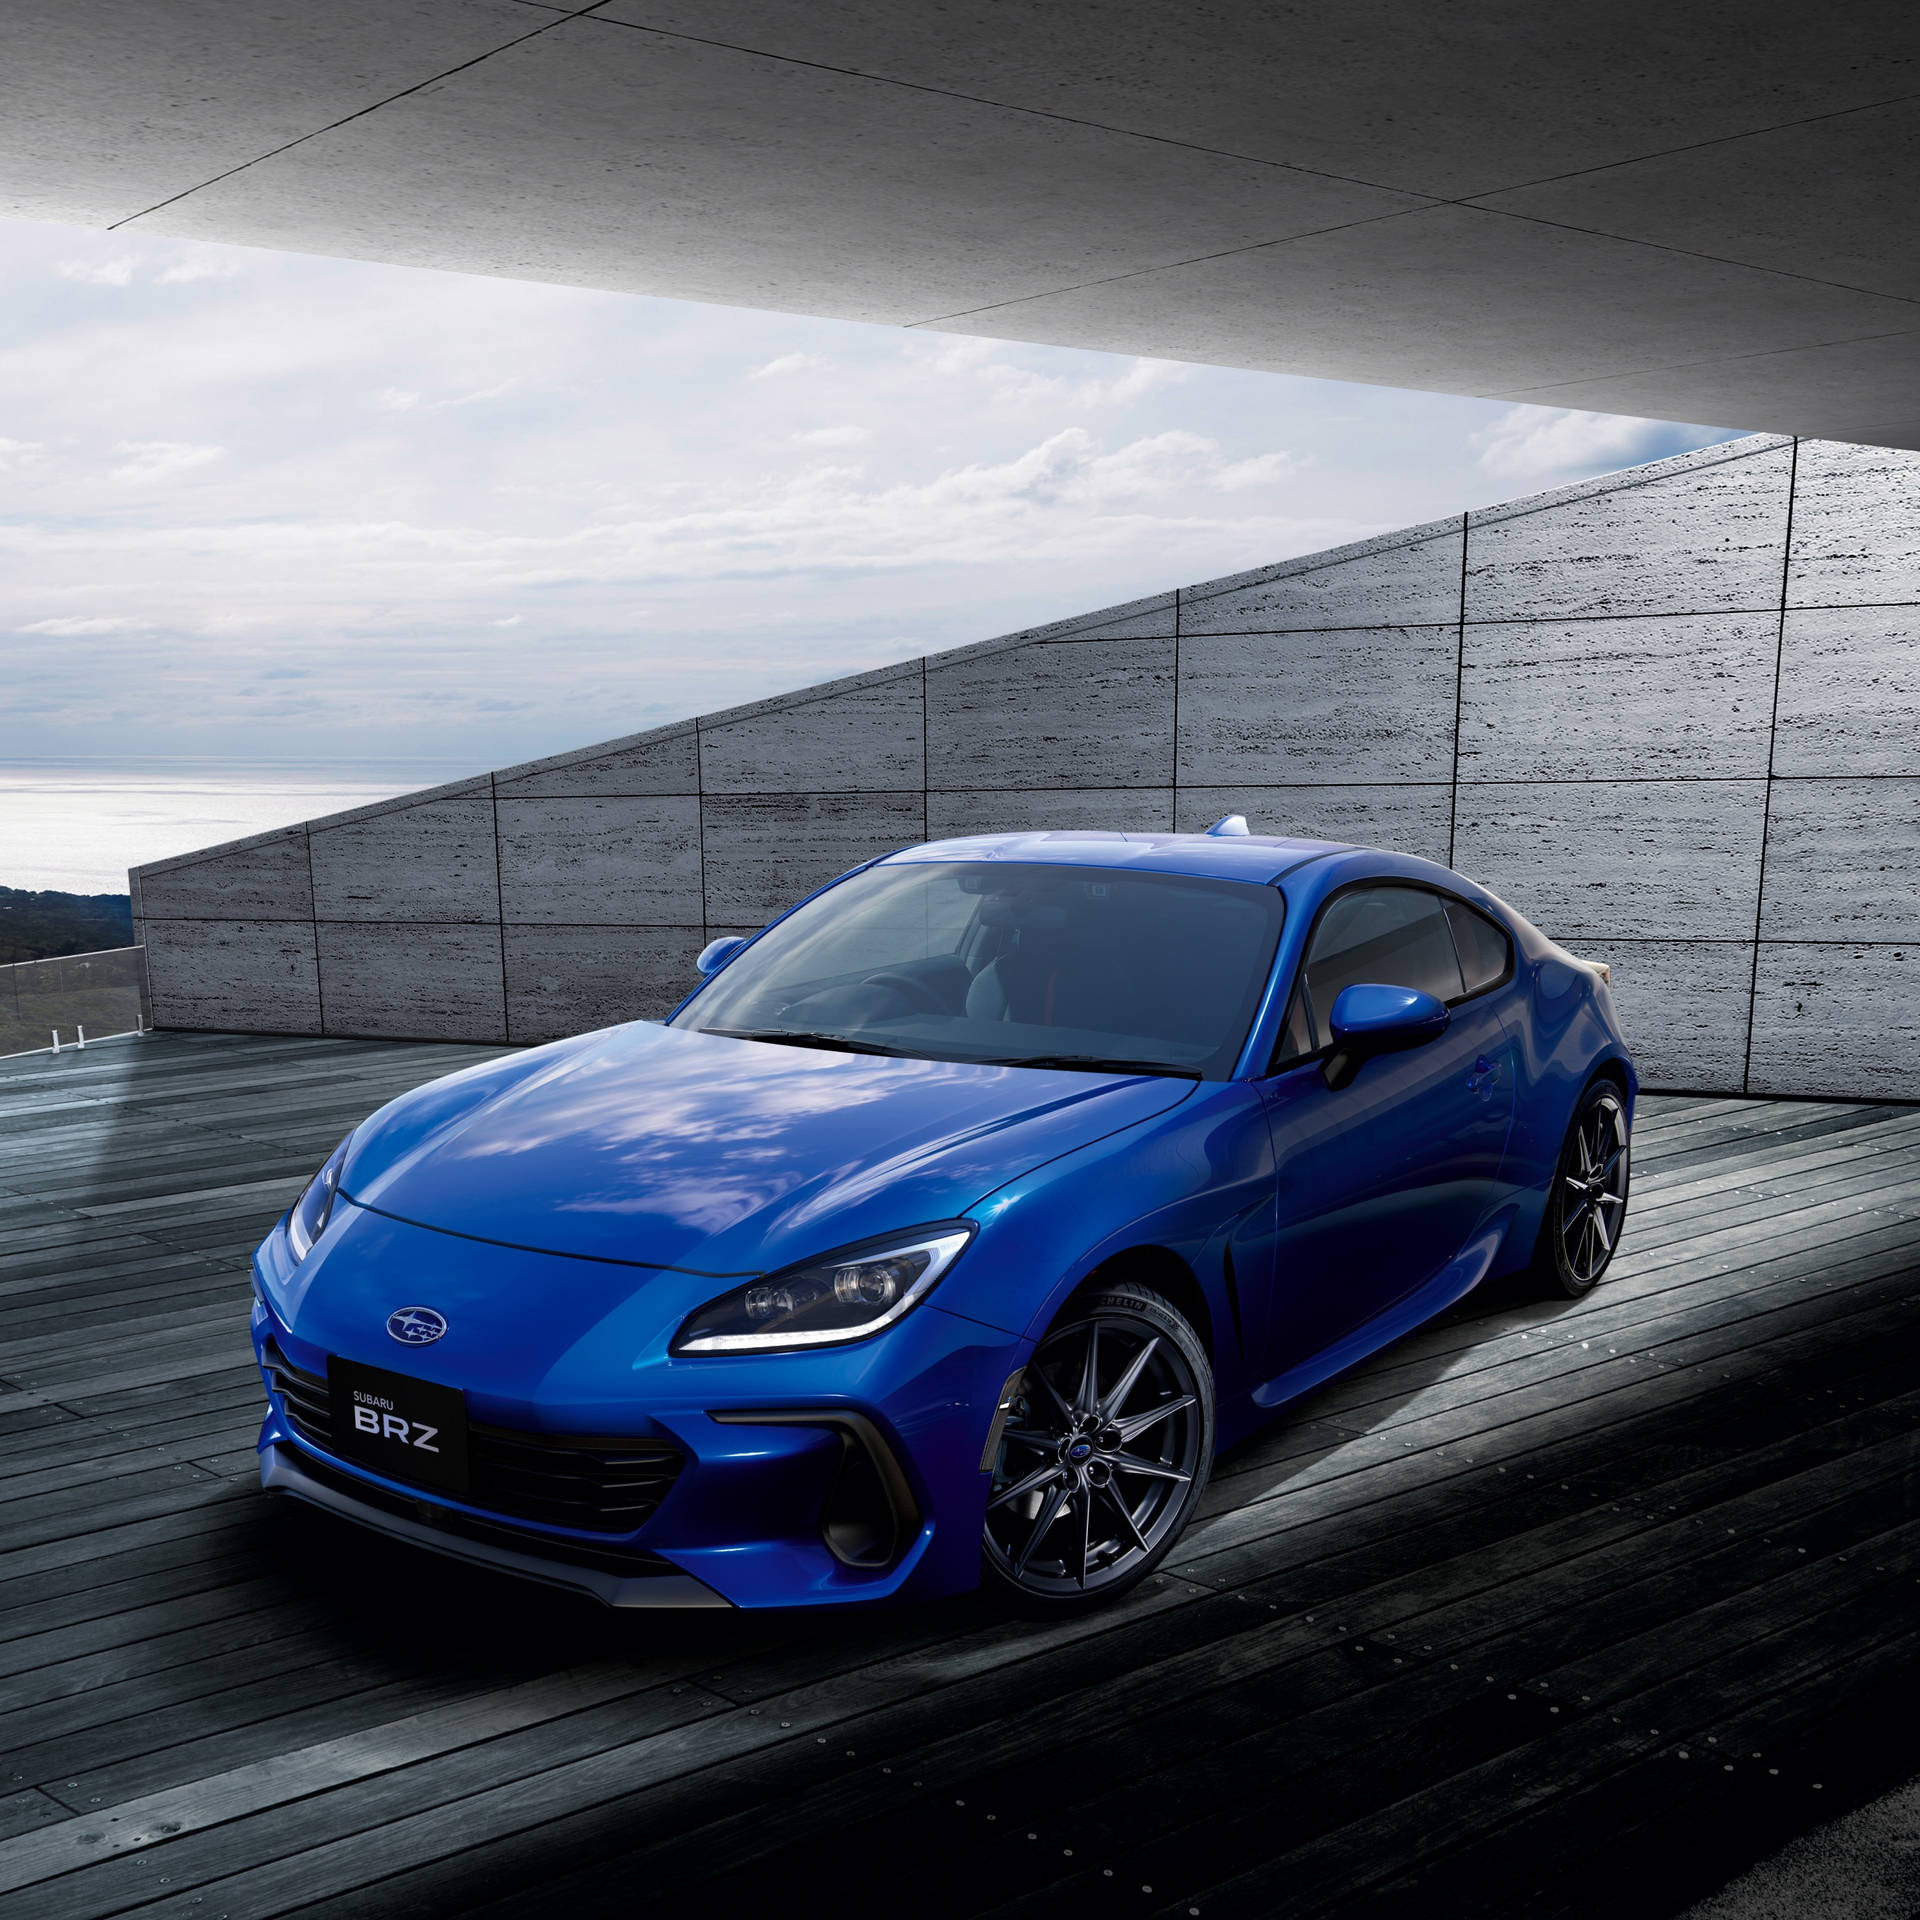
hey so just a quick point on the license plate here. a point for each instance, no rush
(409, 1429)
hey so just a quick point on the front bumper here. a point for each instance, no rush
(285, 1469)
(759, 1513)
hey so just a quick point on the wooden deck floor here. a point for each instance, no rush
(1552, 1610)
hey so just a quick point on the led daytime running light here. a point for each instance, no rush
(850, 1295)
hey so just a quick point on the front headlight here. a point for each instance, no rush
(307, 1220)
(842, 1296)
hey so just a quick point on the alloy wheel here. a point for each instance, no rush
(1098, 1462)
(1593, 1197)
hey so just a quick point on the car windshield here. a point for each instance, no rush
(1017, 965)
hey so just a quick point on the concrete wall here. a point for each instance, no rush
(1673, 715)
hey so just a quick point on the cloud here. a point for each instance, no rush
(1263, 470)
(1547, 443)
(77, 626)
(407, 400)
(787, 363)
(202, 267)
(1011, 384)
(155, 460)
(99, 273)
(675, 508)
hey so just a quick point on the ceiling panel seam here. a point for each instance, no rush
(1692, 146)
(1718, 360)
(1229, 153)
(1414, 213)
(1685, 253)
(1005, 106)
(359, 113)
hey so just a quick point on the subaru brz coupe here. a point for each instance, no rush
(950, 1226)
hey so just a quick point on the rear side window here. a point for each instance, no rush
(1388, 936)
(1485, 953)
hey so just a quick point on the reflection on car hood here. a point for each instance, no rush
(672, 1148)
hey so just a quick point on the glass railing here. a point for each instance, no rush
(73, 1000)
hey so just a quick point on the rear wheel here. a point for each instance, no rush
(1106, 1449)
(1588, 1205)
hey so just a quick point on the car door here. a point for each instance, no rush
(1381, 1182)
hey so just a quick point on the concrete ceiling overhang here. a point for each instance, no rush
(1705, 212)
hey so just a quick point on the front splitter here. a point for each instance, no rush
(283, 1471)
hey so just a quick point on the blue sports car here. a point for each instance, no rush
(949, 1228)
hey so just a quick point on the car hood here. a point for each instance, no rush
(662, 1147)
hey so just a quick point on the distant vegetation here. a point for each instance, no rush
(36, 926)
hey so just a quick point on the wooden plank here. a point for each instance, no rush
(1520, 1483)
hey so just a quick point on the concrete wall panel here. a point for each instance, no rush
(1709, 537)
(1066, 713)
(1408, 819)
(1841, 1020)
(1645, 860)
(1400, 579)
(1849, 691)
(412, 982)
(1842, 856)
(263, 880)
(612, 860)
(1155, 617)
(663, 761)
(563, 980)
(1856, 526)
(235, 976)
(1274, 709)
(866, 740)
(1680, 696)
(765, 851)
(435, 862)
(1051, 810)
(1611, 650)
(1683, 1006)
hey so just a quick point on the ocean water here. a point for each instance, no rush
(78, 829)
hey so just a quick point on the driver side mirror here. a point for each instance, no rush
(1368, 1019)
(716, 953)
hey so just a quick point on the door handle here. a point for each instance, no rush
(1484, 1074)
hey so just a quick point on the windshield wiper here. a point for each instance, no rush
(1084, 1063)
(791, 1037)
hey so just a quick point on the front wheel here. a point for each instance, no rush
(1588, 1205)
(1106, 1450)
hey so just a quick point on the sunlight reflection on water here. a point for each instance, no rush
(79, 829)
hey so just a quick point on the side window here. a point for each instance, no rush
(1296, 1037)
(1485, 953)
(1391, 936)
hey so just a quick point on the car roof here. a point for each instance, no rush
(1256, 857)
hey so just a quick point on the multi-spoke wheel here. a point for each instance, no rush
(1588, 1206)
(1105, 1451)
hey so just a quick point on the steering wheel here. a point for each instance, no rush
(919, 992)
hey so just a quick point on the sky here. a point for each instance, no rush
(274, 526)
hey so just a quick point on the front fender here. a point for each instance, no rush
(1176, 1184)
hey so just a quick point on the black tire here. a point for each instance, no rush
(1587, 1209)
(1100, 1467)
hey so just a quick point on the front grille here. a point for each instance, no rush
(592, 1484)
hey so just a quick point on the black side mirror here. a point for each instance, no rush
(1369, 1019)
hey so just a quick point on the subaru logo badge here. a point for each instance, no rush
(416, 1326)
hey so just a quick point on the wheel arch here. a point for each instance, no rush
(1165, 1273)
